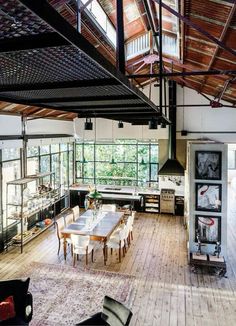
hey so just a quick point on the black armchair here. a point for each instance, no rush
(23, 301)
(114, 314)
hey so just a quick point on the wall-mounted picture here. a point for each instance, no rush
(208, 197)
(208, 228)
(208, 165)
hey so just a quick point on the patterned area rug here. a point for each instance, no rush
(63, 295)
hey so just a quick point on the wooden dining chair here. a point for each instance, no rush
(131, 224)
(117, 240)
(68, 219)
(81, 246)
(60, 225)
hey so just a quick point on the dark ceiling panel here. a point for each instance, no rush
(77, 70)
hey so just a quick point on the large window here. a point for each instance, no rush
(99, 16)
(125, 162)
(57, 158)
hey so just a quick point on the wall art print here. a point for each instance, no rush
(208, 165)
(208, 197)
(208, 228)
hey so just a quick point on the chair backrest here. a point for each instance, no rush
(69, 219)
(75, 212)
(116, 313)
(60, 225)
(128, 226)
(80, 241)
(108, 207)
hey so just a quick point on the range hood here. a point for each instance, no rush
(172, 165)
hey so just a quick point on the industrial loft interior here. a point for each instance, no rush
(118, 162)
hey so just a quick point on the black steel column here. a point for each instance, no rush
(120, 41)
(172, 117)
(160, 56)
(24, 148)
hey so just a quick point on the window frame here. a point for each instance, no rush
(79, 164)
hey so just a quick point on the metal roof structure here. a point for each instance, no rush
(32, 46)
(46, 63)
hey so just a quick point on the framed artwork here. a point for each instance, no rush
(208, 228)
(208, 165)
(208, 197)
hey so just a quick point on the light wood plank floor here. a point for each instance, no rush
(166, 292)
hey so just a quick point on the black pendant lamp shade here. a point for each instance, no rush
(88, 125)
(120, 124)
(163, 124)
(153, 123)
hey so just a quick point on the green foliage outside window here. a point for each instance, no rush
(125, 162)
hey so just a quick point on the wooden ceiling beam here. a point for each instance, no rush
(222, 37)
(197, 27)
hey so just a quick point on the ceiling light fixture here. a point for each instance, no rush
(120, 124)
(112, 161)
(88, 125)
(163, 124)
(153, 123)
(142, 160)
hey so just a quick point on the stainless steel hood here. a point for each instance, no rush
(172, 165)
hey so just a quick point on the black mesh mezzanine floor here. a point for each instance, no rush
(45, 62)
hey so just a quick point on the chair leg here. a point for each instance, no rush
(105, 253)
(71, 249)
(87, 256)
(131, 235)
(125, 245)
(119, 253)
(74, 259)
(111, 251)
(92, 255)
(123, 251)
(59, 246)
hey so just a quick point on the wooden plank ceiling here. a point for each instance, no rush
(197, 52)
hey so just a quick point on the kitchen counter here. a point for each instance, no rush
(122, 190)
(142, 199)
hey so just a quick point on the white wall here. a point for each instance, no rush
(10, 125)
(49, 126)
(200, 122)
(104, 130)
(204, 122)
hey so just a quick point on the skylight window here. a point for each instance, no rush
(99, 16)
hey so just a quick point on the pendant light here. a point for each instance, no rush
(88, 125)
(142, 160)
(120, 124)
(153, 123)
(112, 157)
(84, 161)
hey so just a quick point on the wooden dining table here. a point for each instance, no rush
(102, 231)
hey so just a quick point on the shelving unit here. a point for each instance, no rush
(151, 203)
(29, 198)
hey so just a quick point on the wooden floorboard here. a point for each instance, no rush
(166, 291)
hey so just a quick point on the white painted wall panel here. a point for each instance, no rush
(10, 125)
